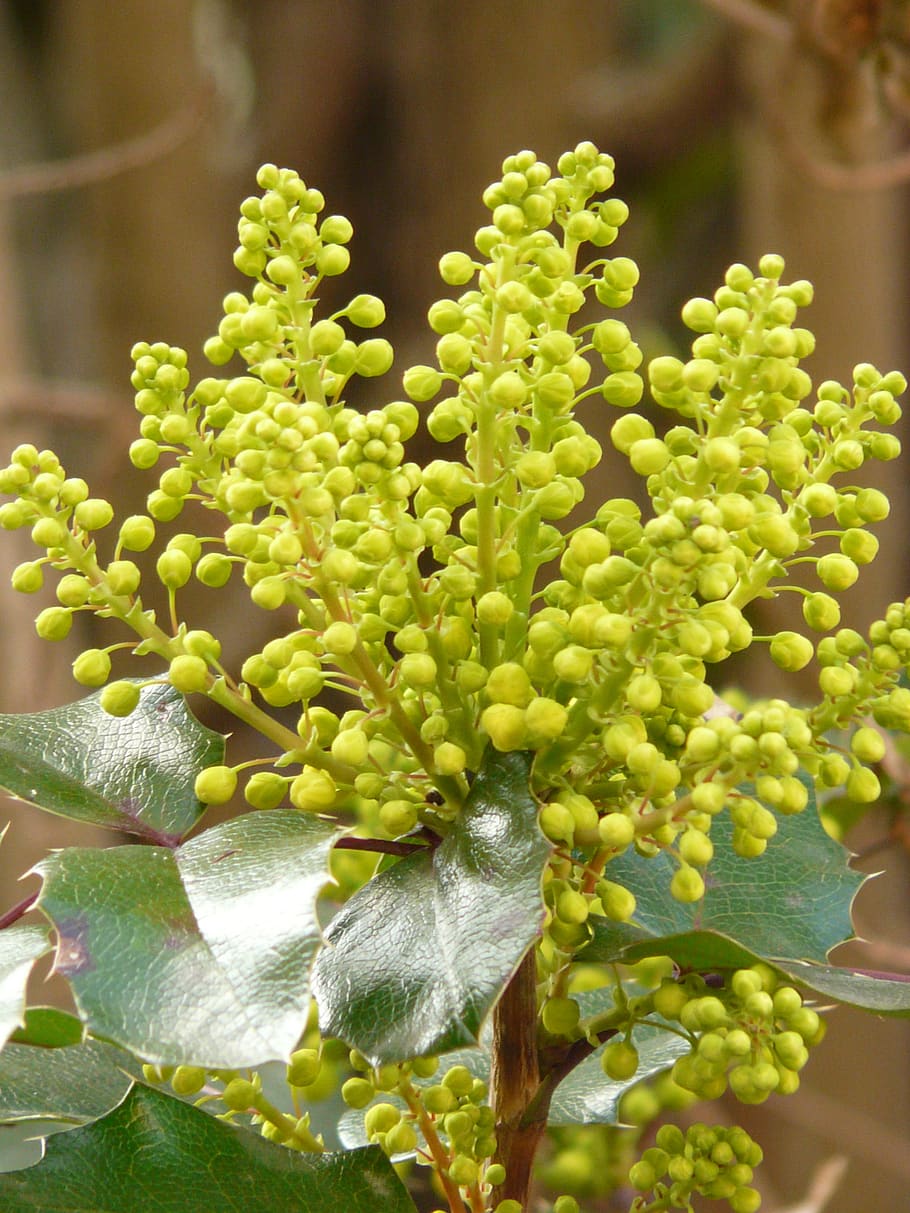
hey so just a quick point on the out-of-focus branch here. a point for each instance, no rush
(107, 162)
(76, 404)
(822, 1187)
(754, 16)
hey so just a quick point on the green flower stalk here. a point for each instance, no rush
(427, 615)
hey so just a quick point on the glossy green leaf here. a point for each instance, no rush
(159, 1155)
(20, 946)
(49, 1027)
(793, 901)
(416, 958)
(882, 993)
(133, 774)
(76, 1083)
(198, 955)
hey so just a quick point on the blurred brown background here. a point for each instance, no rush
(131, 131)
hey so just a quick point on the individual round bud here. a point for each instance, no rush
(92, 668)
(357, 1092)
(54, 623)
(649, 456)
(687, 884)
(188, 673)
(863, 786)
(49, 532)
(93, 514)
(545, 720)
(215, 785)
(174, 568)
(265, 790)
(494, 608)
(421, 382)
(617, 901)
(123, 577)
(616, 831)
(619, 1060)
(456, 269)
(366, 311)
(137, 533)
(505, 725)
(556, 820)
(119, 698)
(240, 1094)
(560, 1016)
(313, 790)
(790, 651)
(28, 578)
(859, 545)
(188, 1080)
(821, 612)
(214, 569)
(868, 744)
(837, 572)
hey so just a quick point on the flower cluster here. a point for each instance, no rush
(417, 591)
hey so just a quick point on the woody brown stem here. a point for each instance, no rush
(515, 1081)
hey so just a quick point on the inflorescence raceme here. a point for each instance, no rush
(414, 590)
(415, 594)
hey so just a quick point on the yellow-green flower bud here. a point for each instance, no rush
(863, 786)
(215, 785)
(119, 698)
(821, 612)
(421, 382)
(619, 1060)
(687, 884)
(92, 668)
(174, 568)
(188, 1080)
(54, 623)
(837, 572)
(265, 790)
(505, 725)
(494, 608)
(545, 720)
(123, 577)
(137, 533)
(791, 651)
(93, 514)
(313, 790)
(618, 902)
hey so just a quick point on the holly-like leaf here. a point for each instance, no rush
(198, 955)
(133, 774)
(75, 1084)
(792, 902)
(417, 957)
(20, 946)
(160, 1155)
(882, 993)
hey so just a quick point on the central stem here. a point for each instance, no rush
(515, 1080)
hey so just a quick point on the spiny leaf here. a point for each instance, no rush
(133, 774)
(159, 1155)
(793, 901)
(198, 955)
(20, 946)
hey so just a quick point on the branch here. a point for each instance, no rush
(755, 17)
(107, 162)
(18, 911)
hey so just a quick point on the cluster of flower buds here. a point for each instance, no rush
(452, 602)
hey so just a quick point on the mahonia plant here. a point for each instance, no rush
(553, 862)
